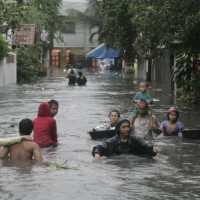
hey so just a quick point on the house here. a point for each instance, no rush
(75, 43)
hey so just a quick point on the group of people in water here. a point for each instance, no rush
(71, 75)
(44, 130)
(130, 133)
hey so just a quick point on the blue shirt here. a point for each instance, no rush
(142, 95)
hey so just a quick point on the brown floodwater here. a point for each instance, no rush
(173, 174)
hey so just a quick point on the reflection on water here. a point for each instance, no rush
(174, 174)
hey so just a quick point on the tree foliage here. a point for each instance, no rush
(166, 23)
(12, 15)
(28, 63)
(187, 76)
(117, 28)
(147, 24)
(4, 48)
(152, 24)
(45, 14)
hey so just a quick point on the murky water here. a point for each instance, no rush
(173, 174)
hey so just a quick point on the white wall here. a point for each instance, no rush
(8, 71)
(80, 39)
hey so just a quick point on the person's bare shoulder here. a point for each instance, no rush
(30, 145)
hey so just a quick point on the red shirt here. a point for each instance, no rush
(45, 130)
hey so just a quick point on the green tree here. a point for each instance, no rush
(28, 63)
(117, 28)
(4, 48)
(12, 16)
(168, 23)
(45, 14)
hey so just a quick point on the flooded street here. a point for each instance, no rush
(173, 174)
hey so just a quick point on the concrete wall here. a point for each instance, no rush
(79, 39)
(142, 68)
(162, 70)
(8, 70)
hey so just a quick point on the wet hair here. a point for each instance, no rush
(143, 101)
(80, 73)
(145, 83)
(53, 102)
(25, 126)
(120, 121)
(173, 109)
(116, 111)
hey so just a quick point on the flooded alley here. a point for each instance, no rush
(173, 174)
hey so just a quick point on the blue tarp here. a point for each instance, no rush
(103, 52)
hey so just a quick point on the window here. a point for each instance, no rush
(69, 27)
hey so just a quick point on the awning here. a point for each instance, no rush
(55, 51)
(103, 52)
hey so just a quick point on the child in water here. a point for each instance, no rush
(114, 115)
(142, 95)
(53, 107)
(45, 129)
(171, 126)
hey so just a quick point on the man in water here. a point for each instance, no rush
(123, 142)
(81, 80)
(25, 150)
(141, 126)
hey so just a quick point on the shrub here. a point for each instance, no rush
(130, 70)
(186, 75)
(28, 63)
(4, 50)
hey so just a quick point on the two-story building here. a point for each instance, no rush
(75, 43)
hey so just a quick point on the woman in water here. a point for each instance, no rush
(114, 115)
